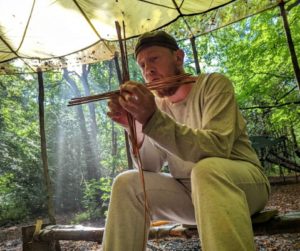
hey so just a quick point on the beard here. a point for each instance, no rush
(170, 90)
(167, 92)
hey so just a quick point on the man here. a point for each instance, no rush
(215, 178)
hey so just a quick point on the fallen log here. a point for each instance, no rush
(265, 223)
(287, 223)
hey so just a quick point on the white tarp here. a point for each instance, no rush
(51, 34)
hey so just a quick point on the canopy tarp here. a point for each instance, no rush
(50, 34)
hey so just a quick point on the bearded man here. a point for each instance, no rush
(215, 179)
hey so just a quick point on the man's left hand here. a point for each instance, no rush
(136, 99)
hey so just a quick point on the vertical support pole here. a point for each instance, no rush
(195, 54)
(48, 183)
(290, 42)
(129, 159)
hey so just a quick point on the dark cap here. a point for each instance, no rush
(159, 38)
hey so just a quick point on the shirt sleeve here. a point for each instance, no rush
(151, 156)
(217, 133)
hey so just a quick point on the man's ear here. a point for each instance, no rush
(179, 57)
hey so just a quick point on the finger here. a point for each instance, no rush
(124, 97)
(113, 102)
(127, 102)
(130, 97)
(114, 107)
(131, 87)
(134, 88)
(135, 97)
(114, 115)
(119, 119)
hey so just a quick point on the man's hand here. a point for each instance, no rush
(116, 112)
(136, 99)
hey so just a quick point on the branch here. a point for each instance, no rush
(271, 74)
(293, 5)
(284, 95)
(271, 106)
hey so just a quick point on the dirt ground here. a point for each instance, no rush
(284, 197)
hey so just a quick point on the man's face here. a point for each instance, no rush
(158, 62)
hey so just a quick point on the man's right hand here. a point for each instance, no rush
(116, 112)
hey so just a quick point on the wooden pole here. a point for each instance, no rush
(290, 42)
(195, 54)
(48, 183)
(129, 159)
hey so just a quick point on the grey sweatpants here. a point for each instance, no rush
(220, 198)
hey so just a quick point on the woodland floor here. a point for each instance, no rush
(284, 197)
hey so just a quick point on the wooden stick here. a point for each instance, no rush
(155, 85)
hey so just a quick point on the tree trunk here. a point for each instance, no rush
(114, 144)
(195, 54)
(290, 42)
(294, 139)
(91, 162)
(49, 187)
(92, 121)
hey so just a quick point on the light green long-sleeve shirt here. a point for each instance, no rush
(207, 123)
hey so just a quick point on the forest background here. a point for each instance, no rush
(86, 150)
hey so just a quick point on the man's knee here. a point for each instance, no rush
(206, 168)
(124, 181)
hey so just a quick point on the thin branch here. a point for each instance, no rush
(271, 74)
(287, 93)
(271, 106)
(293, 5)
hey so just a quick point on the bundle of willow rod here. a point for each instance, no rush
(155, 85)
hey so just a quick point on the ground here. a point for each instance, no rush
(284, 197)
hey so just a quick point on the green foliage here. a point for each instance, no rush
(95, 200)
(253, 53)
(10, 208)
(22, 190)
(19, 199)
(81, 217)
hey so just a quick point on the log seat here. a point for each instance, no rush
(267, 222)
